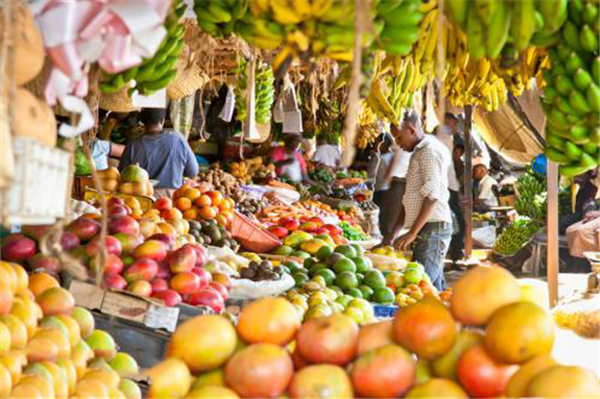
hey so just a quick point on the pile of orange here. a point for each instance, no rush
(198, 203)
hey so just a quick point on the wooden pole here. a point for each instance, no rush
(552, 222)
(468, 182)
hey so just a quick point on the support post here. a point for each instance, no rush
(468, 183)
(552, 222)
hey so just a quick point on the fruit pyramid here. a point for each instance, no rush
(49, 348)
(488, 342)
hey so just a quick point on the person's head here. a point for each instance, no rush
(410, 131)
(384, 143)
(588, 176)
(153, 119)
(292, 142)
(457, 152)
(479, 171)
(322, 139)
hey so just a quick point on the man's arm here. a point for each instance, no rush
(116, 150)
(426, 209)
(191, 164)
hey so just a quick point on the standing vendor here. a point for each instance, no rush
(379, 165)
(165, 154)
(288, 160)
(426, 213)
(326, 154)
(485, 197)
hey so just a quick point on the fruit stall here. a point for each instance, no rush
(245, 281)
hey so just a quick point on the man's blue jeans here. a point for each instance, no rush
(430, 248)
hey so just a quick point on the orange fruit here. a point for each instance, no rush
(183, 204)
(215, 196)
(224, 206)
(208, 212)
(192, 193)
(203, 200)
(190, 214)
(40, 282)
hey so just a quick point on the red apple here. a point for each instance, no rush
(115, 282)
(290, 224)
(159, 284)
(112, 264)
(151, 249)
(113, 246)
(169, 297)
(185, 283)
(221, 289)
(69, 241)
(123, 224)
(140, 287)
(128, 241)
(182, 260)
(142, 269)
(114, 201)
(44, 262)
(84, 228)
(167, 239)
(18, 248)
(163, 203)
(207, 297)
(204, 275)
(279, 232)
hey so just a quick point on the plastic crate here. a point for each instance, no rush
(252, 236)
(385, 311)
(40, 188)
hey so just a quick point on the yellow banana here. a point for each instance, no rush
(432, 38)
(302, 8)
(284, 13)
(320, 7)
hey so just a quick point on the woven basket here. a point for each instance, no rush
(186, 82)
(117, 102)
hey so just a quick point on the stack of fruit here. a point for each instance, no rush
(210, 232)
(308, 236)
(488, 343)
(264, 91)
(199, 203)
(515, 236)
(250, 169)
(572, 95)
(221, 181)
(50, 349)
(154, 73)
(532, 196)
(352, 232)
(134, 180)
(261, 271)
(218, 18)
(251, 206)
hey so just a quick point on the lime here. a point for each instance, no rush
(300, 279)
(344, 265)
(363, 265)
(354, 292)
(328, 276)
(344, 300)
(283, 250)
(360, 277)
(292, 264)
(324, 252)
(384, 295)
(315, 268)
(367, 292)
(346, 280)
(374, 279)
(346, 250)
(413, 276)
(308, 262)
(300, 254)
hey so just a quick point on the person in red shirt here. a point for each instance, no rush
(288, 160)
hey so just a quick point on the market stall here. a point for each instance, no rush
(195, 198)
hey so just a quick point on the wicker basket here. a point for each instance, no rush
(252, 236)
(186, 82)
(117, 102)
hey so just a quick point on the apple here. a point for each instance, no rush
(182, 260)
(290, 224)
(115, 282)
(163, 204)
(221, 289)
(204, 275)
(84, 228)
(169, 297)
(140, 287)
(18, 248)
(113, 246)
(159, 284)
(207, 297)
(123, 224)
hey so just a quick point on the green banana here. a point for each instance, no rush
(475, 32)
(458, 9)
(160, 83)
(588, 161)
(576, 11)
(544, 39)
(571, 170)
(219, 12)
(498, 27)
(590, 148)
(523, 25)
(579, 135)
(592, 96)
(563, 84)
(582, 79)
(554, 141)
(557, 156)
(572, 151)
(596, 70)
(579, 102)
(554, 13)
(574, 62)
(590, 13)
(571, 35)
(588, 39)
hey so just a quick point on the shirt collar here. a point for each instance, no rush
(423, 142)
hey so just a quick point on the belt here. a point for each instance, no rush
(400, 179)
(438, 224)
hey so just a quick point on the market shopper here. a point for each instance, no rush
(164, 153)
(585, 235)
(288, 161)
(484, 194)
(378, 168)
(587, 192)
(426, 213)
(102, 150)
(326, 153)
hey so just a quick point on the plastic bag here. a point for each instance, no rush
(247, 289)
(485, 237)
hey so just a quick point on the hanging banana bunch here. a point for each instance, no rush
(368, 130)
(218, 18)
(264, 93)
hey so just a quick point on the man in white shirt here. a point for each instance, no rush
(426, 213)
(327, 154)
(485, 197)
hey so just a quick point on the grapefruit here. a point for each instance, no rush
(169, 379)
(321, 381)
(517, 385)
(437, 388)
(269, 321)
(445, 366)
(519, 332)
(482, 291)
(425, 328)
(259, 371)
(210, 392)
(564, 382)
(373, 336)
(481, 375)
(332, 340)
(386, 372)
(207, 350)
